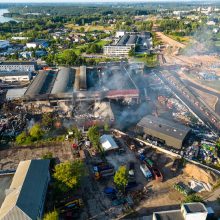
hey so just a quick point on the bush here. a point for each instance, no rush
(192, 198)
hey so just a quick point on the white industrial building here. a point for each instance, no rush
(15, 76)
(119, 34)
(188, 211)
(117, 50)
(18, 66)
(4, 44)
(19, 38)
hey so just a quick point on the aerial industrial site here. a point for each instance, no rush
(109, 111)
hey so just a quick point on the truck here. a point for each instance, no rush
(146, 171)
(103, 170)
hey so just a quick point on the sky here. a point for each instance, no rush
(90, 1)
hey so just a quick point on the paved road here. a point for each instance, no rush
(217, 106)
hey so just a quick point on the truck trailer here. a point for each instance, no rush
(146, 171)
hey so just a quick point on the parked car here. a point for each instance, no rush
(131, 170)
(157, 174)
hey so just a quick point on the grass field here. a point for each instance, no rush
(90, 28)
(78, 48)
(149, 60)
(185, 39)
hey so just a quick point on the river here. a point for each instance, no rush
(5, 19)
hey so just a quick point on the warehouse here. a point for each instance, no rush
(67, 87)
(64, 81)
(42, 84)
(26, 196)
(171, 133)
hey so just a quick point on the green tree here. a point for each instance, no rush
(47, 120)
(93, 48)
(20, 139)
(69, 174)
(77, 133)
(36, 132)
(51, 215)
(121, 178)
(48, 155)
(192, 198)
(94, 136)
(131, 52)
(106, 126)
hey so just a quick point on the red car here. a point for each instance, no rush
(157, 174)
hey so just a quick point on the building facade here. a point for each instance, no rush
(18, 66)
(117, 51)
(15, 76)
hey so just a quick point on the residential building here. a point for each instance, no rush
(37, 43)
(188, 211)
(4, 44)
(26, 196)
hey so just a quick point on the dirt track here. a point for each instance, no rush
(169, 41)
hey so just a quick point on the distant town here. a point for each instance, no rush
(110, 111)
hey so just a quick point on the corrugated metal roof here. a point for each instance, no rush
(132, 40)
(41, 84)
(108, 143)
(164, 126)
(83, 82)
(123, 40)
(64, 81)
(25, 195)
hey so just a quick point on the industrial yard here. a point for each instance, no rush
(110, 112)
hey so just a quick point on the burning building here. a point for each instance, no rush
(67, 87)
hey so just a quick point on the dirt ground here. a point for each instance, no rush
(158, 195)
(5, 182)
(211, 100)
(10, 158)
(170, 41)
(162, 195)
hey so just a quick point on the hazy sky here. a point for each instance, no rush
(90, 1)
